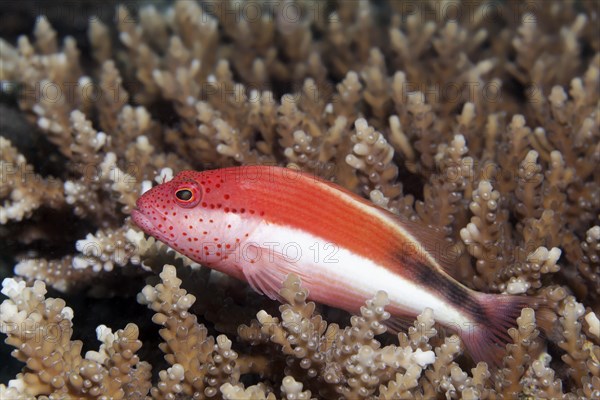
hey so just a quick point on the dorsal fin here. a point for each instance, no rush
(442, 249)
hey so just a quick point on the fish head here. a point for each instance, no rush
(162, 210)
(196, 213)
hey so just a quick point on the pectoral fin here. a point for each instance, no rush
(268, 269)
(398, 324)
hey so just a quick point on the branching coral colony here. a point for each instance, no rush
(485, 127)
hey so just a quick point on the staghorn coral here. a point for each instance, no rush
(23, 190)
(40, 329)
(348, 362)
(483, 125)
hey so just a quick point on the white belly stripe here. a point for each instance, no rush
(338, 264)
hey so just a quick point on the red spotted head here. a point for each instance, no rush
(204, 215)
(157, 209)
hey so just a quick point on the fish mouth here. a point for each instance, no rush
(145, 223)
(142, 221)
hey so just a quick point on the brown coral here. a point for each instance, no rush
(483, 125)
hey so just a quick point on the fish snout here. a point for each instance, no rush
(143, 214)
(142, 221)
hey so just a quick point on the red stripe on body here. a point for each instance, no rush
(302, 201)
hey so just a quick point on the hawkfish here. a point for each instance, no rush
(261, 223)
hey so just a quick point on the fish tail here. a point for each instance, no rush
(489, 336)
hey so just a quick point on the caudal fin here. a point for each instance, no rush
(489, 336)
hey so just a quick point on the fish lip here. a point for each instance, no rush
(142, 221)
(146, 224)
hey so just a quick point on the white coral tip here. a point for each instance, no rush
(423, 358)
(104, 333)
(165, 175)
(594, 323)
(12, 288)
(176, 372)
(517, 286)
(67, 313)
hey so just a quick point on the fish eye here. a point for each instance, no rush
(184, 194)
(187, 194)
